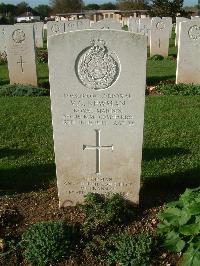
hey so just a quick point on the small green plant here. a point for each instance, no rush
(121, 249)
(101, 211)
(179, 89)
(3, 58)
(131, 250)
(48, 241)
(42, 56)
(180, 226)
(22, 90)
(157, 57)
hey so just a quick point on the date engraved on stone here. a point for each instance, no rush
(160, 25)
(18, 36)
(96, 67)
(194, 32)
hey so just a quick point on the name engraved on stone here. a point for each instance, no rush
(98, 149)
(194, 32)
(96, 67)
(21, 62)
(94, 109)
(18, 36)
(160, 25)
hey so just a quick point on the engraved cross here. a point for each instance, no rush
(98, 149)
(21, 62)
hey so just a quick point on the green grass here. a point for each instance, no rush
(156, 71)
(26, 143)
(171, 142)
(160, 71)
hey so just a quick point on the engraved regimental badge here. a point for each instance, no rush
(18, 36)
(194, 32)
(96, 67)
(160, 25)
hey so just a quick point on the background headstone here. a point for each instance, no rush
(39, 34)
(170, 24)
(97, 80)
(54, 28)
(2, 39)
(178, 21)
(159, 37)
(20, 46)
(188, 60)
(145, 27)
(133, 24)
(79, 24)
(107, 24)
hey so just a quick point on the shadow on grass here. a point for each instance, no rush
(4, 82)
(13, 153)
(25, 179)
(154, 80)
(151, 154)
(158, 190)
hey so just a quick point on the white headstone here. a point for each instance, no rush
(107, 24)
(20, 46)
(195, 17)
(133, 24)
(2, 39)
(178, 21)
(38, 29)
(97, 80)
(79, 24)
(159, 37)
(188, 60)
(169, 22)
(145, 27)
(54, 27)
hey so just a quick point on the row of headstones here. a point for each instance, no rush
(20, 48)
(97, 80)
(158, 31)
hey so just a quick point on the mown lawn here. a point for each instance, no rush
(171, 142)
(156, 71)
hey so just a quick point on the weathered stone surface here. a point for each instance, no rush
(178, 21)
(80, 24)
(159, 37)
(54, 27)
(133, 24)
(169, 21)
(38, 29)
(97, 80)
(2, 39)
(107, 24)
(188, 63)
(145, 27)
(21, 54)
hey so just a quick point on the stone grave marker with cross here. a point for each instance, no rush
(188, 59)
(159, 36)
(21, 54)
(97, 80)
